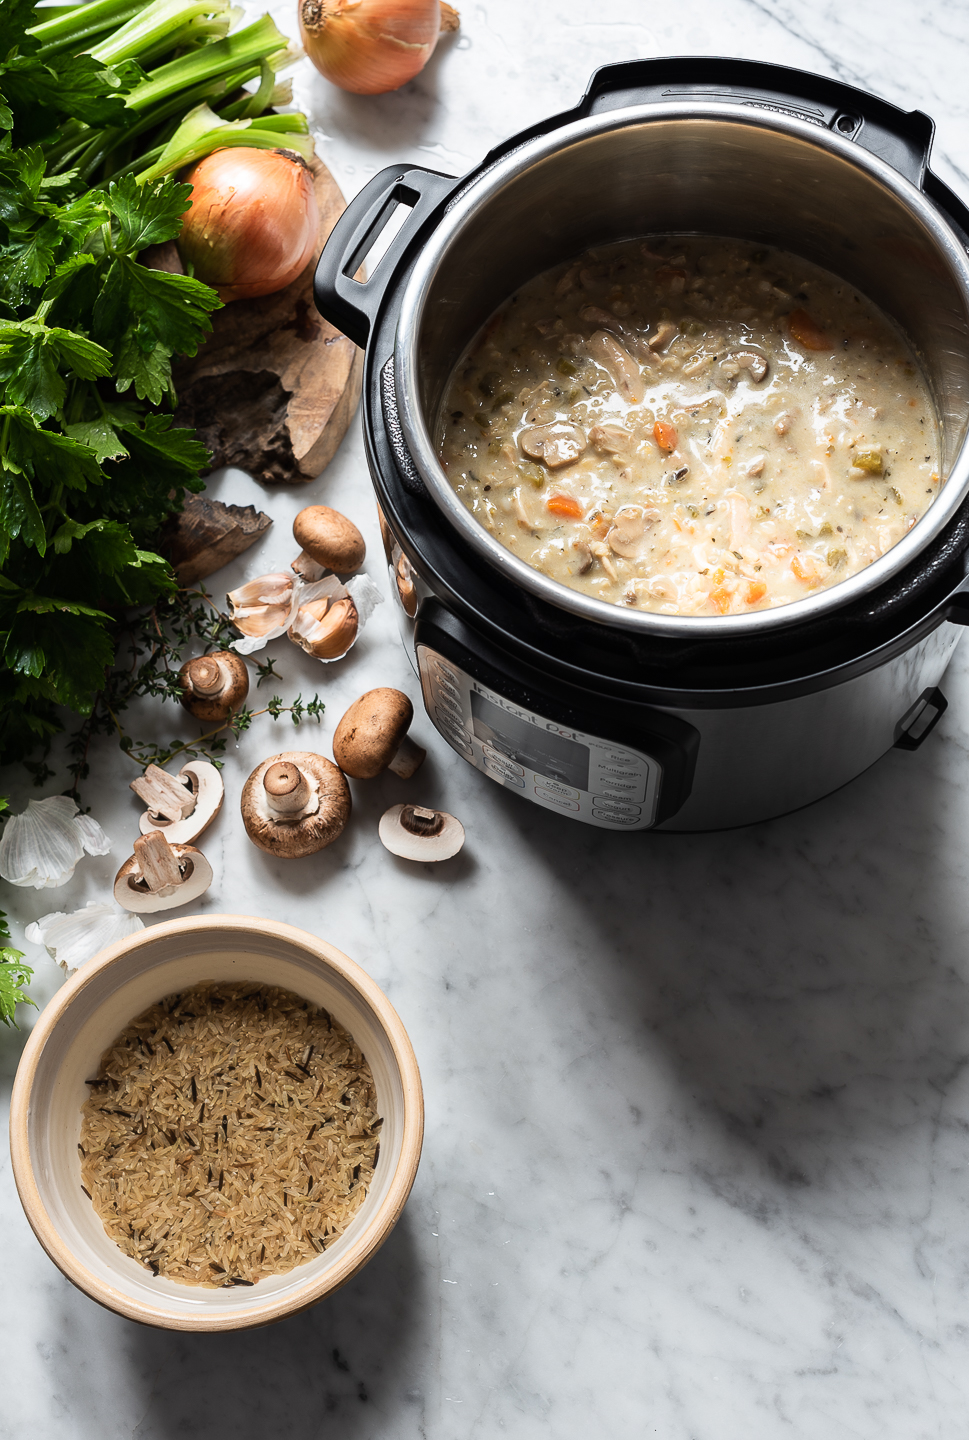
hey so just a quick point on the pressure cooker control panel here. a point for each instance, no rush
(581, 775)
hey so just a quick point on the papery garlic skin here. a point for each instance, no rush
(263, 609)
(41, 846)
(72, 939)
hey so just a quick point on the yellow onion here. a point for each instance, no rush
(253, 221)
(371, 46)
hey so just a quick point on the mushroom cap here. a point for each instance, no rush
(218, 703)
(399, 840)
(370, 733)
(206, 784)
(132, 893)
(301, 834)
(330, 538)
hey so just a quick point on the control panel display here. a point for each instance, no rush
(591, 779)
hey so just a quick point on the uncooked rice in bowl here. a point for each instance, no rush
(231, 1133)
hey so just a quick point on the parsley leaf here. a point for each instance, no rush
(147, 215)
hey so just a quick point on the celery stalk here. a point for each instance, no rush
(69, 31)
(156, 21)
(202, 131)
(259, 41)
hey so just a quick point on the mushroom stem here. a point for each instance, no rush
(409, 758)
(205, 676)
(420, 821)
(287, 788)
(165, 797)
(158, 863)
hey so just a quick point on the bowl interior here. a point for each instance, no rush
(708, 169)
(105, 1001)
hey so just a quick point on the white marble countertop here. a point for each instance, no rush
(697, 1151)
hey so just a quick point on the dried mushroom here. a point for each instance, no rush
(295, 804)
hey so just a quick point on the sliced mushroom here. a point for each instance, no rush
(737, 360)
(159, 876)
(662, 335)
(557, 444)
(214, 686)
(372, 736)
(626, 536)
(583, 554)
(295, 804)
(602, 319)
(261, 605)
(610, 439)
(325, 628)
(416, 833)
(626, 374)
(180, 807)
(328, 538)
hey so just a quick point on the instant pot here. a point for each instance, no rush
(620, 718)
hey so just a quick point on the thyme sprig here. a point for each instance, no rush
(152, 643)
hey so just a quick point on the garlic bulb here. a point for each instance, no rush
(42, 846)
(302, 622)
(73, 939)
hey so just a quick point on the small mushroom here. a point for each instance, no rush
(295, 804)
(328, 538)
(159, 876)
(183, 806)
(416, 833)
(751, 360)
(372, 736)
(626, 536)
(662, 335)
(610, 439)
(557, 443)
(325, 628)
(214, 686)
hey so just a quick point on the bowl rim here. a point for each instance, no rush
(356, 1255)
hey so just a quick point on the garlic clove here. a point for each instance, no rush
(324, 629)
(263, 609)
(41, 846)
(72, 939)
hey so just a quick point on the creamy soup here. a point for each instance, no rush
(691, 426)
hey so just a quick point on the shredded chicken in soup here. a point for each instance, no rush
(691, 426)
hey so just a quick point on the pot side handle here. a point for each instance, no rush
(901, 138)
(350, 304)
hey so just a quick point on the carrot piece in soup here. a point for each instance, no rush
(756, 591)
(665, 435)
(564, 505)
(807, 332)
(804, 572)
(721, 598)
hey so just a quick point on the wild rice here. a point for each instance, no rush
(231, 1133)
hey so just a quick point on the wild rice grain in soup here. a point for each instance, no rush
(691, 426)
(231, 1133)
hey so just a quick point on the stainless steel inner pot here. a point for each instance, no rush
(693, 167)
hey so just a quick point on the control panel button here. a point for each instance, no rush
(554, 787)
(551, 798)
(614, 818)
(498, 762)
(621, 807)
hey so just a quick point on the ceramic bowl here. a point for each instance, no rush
(80, 1023)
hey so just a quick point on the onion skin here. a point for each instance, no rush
(252, 225)
(371, 46)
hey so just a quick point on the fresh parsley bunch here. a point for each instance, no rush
(90, 463)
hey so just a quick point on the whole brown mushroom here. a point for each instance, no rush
(329, 539)
(214, 686)
(295, 804)
(372, 736)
